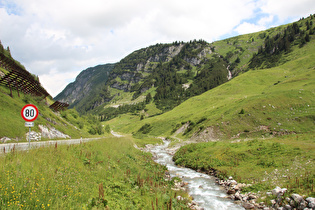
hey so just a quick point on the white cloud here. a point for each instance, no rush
(285, 9)
(52, 82)
(57, 39)
(246, 28)
(266, 20)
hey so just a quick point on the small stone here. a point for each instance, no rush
(248, 206)
(232, 197)
(276, 191)
(237, 196)
(245, 198)
(297, 198)
(179, 198)
(230, 191)
(252, 197)
(292, 203)
(194, 203)
(311, 202)
(233, 182)
(288, 199)
(302, 205)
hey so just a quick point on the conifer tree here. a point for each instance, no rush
(1, 47)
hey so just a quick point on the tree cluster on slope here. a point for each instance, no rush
(274, 47)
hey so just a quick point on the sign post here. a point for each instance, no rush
(29, 113)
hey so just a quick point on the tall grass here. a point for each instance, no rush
(265, 163)
(106, 173)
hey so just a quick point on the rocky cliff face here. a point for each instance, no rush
(137, 65)
(134, 67)
(175, 63)
(78, 89)
(85, 83)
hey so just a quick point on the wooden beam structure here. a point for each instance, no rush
(19, 78)
(57, 106)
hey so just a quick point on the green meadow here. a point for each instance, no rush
(280, 98)
(257, 127)
(261, 122)
(108, 173)
(287, 162)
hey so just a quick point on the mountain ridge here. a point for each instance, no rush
(83, 84)
(171, 73)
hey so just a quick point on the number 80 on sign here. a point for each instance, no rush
(29, 112)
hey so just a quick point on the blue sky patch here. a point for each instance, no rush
(11, 8)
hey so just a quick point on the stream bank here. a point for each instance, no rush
(202, 187)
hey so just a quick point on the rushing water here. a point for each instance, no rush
(201, 187)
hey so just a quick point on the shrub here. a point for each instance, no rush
(242, 111)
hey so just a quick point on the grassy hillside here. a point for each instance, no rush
(106, 173)
(263, 119)
(280, 98)
(287, 162)
(68, 122)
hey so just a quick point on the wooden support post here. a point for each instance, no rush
(8, 79)
(17, 89)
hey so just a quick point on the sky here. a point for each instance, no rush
(57, 39)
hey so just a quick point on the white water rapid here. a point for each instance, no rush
(201, 187)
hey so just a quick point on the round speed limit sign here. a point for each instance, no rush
(29, 112)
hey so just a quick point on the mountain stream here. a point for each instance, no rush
(201, 187)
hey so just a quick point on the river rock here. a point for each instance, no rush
(245, 198)
(302, 205)
(278, 191)
(238, 196)
(231, 191)
(239, 186)
(248, 206)
(311, 202)
(292, 203)
(232, 183)
(252, 197)
(183, 184)
(297, 198)
(287, 207)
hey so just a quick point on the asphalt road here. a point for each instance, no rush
(25, 146)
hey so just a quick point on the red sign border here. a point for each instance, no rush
(27, 105)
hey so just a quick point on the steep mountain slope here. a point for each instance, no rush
(87, 83)
(169, 74)
(262, 101)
